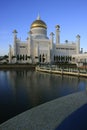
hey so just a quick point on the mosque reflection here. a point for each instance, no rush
(36, 88)
(22, 89)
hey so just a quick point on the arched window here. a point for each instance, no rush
(40, 58)
(26, 57)
(23, 57)
(17, 57)
(43, 59)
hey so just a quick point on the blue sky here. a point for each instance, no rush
(71, 15)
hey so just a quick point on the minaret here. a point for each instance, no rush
(29, 43)
(51, 39)
(10, 54)
(15, 46)
(78, 43)
(15, 34)
(51, 46)
(57, 34)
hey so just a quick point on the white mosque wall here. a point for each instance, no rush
(22, 49)
(39, 48)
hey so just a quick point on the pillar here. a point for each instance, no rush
(78, 43)
(57, 34)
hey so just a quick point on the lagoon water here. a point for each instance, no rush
(21, 90)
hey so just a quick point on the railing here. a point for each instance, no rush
(62, 70)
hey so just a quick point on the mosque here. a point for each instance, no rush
(39, 48)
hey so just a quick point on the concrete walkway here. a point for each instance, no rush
(47, 116)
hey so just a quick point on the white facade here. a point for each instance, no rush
(80, 59)
(39, 48)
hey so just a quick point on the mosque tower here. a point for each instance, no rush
(51, 39)
(78, 43)
(15, 38)
(57, 34)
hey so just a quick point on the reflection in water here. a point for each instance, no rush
(21, 90)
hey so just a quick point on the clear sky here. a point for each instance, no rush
(71, 15)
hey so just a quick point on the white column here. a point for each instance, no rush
(10, 54)
(57, 34)
(78, 43)
(29, 44)
(15, 38)
(51, 39)
(48, 55)
(30, 51)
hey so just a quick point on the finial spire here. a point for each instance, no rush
(38, 17)
(15, 31)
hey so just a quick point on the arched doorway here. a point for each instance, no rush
(40, 58)
(43, 58)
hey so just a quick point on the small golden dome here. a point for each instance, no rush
(38, 23)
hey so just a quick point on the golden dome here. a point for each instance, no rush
(38, 23)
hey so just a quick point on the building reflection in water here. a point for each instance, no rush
(39, 87)
(23, 89)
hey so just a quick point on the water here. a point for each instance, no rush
(21, 90)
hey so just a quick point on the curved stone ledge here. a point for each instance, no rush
(48, 115)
